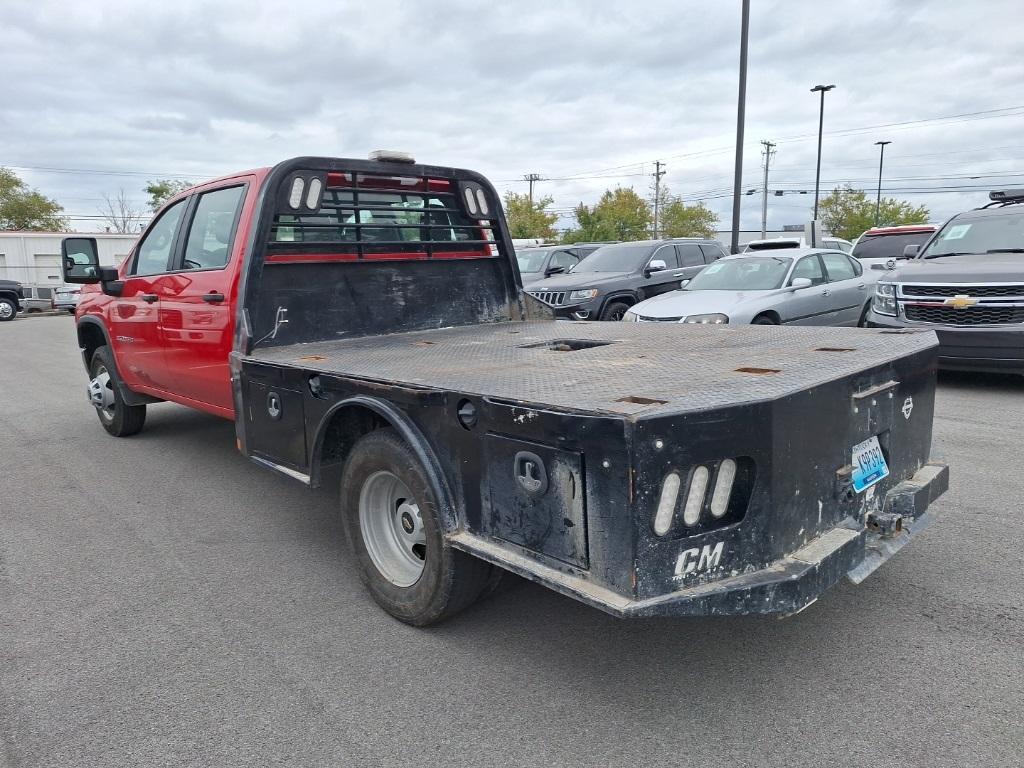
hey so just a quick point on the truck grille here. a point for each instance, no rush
(974, 291)
(551, 298)
(976, 315)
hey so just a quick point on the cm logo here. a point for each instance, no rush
(697, 560)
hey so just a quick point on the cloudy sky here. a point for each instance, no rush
(102, 96)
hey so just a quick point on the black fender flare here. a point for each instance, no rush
(621, 294)
(130, 397)
(409, 432)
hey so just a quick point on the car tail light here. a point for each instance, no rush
(667, 504)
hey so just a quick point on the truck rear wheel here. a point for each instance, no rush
(391, 518)
(116, 416)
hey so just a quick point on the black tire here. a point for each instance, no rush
(763, 320)
(450, 580)
(8, 310)
(614, 311)
(121, 420)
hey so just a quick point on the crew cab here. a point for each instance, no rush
(366, 317)
(966, 284)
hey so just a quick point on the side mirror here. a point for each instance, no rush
(656, 265)
(553, 271)
(800, 282)
(684, 283)
(80, 260)
(911, 251)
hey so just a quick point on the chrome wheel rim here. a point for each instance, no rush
(6, 310)
(392, 528)
(101, 394)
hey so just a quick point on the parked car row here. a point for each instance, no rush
(16, 297)
(964, 280)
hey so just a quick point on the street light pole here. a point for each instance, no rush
(740, 114)
(821, 122)
(881, 157)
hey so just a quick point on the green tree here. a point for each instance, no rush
(162, 190)
(848, 212)
(620, 214)
(528, 218)
(25, 208)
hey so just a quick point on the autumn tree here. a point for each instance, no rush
(848, 212)
(677, 219)
(23, 208)
(162, 190)
(530, 218)
(620, 214)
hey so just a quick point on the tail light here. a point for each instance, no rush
(716, 494)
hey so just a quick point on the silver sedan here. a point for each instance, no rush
(805, 286)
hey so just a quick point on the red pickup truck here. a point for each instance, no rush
(368, 316)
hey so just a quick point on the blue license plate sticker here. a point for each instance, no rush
(869, 464)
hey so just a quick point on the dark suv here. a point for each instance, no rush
(966, 284)
(615, 277)
(11, 294)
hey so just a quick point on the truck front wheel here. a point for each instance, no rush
(8, 309)
(391, 518)
(116, 416)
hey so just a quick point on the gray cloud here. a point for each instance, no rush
(559, 88)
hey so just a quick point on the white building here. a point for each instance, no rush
(33, 258)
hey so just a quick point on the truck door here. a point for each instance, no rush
(134, 318)
(848, 288)
(663, 280)
(197, 313)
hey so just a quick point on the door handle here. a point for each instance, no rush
(826, 292)
(861, 287)
(149, 298)
(213, 297)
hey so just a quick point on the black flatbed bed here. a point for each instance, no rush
(643, 369)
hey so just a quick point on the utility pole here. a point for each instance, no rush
(658, 173)
(769, 150)
(532, 178)
(740, 115)
(881, 157)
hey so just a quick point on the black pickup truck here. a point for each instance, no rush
(368, 316)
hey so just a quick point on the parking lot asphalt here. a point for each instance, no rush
(165, 602)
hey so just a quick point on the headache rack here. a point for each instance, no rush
(350, 248)
(378, 216)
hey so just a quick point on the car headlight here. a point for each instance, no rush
(715, 319)
(589, 293)
(884, 302)
(629, 317)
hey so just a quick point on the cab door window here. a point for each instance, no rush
(667, 254)
(809, 267)
(154, 252)
(212, 229)
(690, 255)
(563, 259)
(838, 267)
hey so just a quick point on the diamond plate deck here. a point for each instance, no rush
(679, 367)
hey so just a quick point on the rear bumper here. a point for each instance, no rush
(785, 587)
(982, 348)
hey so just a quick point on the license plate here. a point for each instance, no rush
(868, 464)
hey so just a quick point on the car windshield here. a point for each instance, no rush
(626, 257)
(755, 273)
(531, 259)
(999, 233)
(888, 246)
